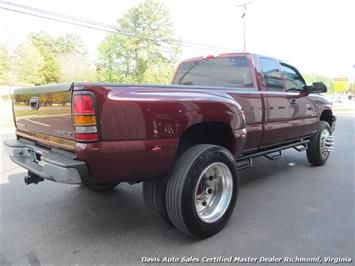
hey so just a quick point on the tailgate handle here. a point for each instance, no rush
(34, 103)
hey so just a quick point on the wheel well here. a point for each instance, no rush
(327, 116)
(217, 133)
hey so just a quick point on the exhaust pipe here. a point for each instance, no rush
(32, 178)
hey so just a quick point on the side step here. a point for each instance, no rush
(272, 156)
(298, 146)
(302, 147)
(249, 163)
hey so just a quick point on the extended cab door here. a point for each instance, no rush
(276, 103)
(303, 115)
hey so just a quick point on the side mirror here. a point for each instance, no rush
(317, 87)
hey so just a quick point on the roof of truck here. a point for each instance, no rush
(229, 55)
(215, 55)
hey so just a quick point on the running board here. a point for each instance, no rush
(248, 164)
(302, 147)
(267, 153)
(272, 156)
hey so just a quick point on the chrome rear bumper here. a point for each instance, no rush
(50, 164)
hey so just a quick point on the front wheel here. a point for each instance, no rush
(320, 146)
(202, 190)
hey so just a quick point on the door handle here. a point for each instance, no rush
(292, 101)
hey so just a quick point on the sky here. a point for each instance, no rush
(316, 36)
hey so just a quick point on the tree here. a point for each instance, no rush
(4, 65)
(71, 52)
(46, 45)
(75, 67)
(28, 64)
(70, 43)
(43, 59)
(54, 51)
(141, 51)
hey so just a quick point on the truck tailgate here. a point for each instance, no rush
(43, 114)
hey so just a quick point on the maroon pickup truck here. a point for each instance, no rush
(185, 141)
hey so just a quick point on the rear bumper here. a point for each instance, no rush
(55, 165)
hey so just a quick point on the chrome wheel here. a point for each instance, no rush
(320, 145)
(202, 190)
(213, 192)
(324, 143)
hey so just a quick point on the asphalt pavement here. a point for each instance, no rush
(286, 208)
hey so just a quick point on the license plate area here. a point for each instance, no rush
(36, 155)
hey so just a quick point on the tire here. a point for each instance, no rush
(188, 193)
(105, 187)
(154, 196)
(316, 154)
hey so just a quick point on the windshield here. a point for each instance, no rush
(220, 72)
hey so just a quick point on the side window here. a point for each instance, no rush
(294, 80)
(272, 74)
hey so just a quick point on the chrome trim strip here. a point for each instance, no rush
(60, 143)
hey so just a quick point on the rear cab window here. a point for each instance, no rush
(219, 71)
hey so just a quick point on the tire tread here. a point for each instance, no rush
(154, 200)
(175, 185)
(313, 152)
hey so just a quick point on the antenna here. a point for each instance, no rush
(244, 5)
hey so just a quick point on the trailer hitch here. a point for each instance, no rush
(32, 178)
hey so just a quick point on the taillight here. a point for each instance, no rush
(86, 136)
(83, 104)
(84, 117)
(85, 120)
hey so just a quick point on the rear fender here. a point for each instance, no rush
(226, 112)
